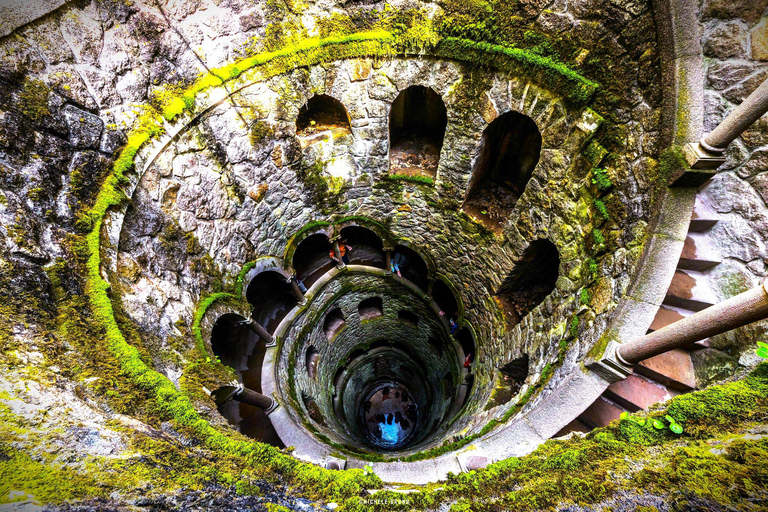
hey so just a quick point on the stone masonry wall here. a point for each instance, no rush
(735, 46)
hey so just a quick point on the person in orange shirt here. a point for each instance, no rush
(343, 248)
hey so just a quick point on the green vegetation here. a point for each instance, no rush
(601, 179)
(601, 209)
(484, 41)
(584, 296)
(573, 329)
(671, 163)
(33, 99)
(421, 180)
(260, 131)
(598, 237)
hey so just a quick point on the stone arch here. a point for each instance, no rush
(466, 338)
(272, 298)
(413, 266)
(417, 122)
(322, 112)
(511, 378)
(408, 317)
(509, 151)
(311, 258)
(311, 360)
(262, 265)
(530, 281)
(446, 298)
(367, 246)
(232, 341)
(334, 322)
(372, 307)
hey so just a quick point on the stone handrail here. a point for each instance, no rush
(745, 308)
(709, 152)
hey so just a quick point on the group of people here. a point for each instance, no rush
(386, 419)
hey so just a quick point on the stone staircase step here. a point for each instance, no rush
(667, 315)
(673, 369)
(601, 413)
(697, 254)
(638, 392)
(689, 290)
(574, 426)
(703, 217)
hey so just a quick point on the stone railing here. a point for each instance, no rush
(709, 152)
(745, 308)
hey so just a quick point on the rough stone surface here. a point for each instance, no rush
(214, 198)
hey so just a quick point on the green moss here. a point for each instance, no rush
(35, 194)
(421, 180)
(48, 483)
(601, 179)
(272, 507)
(33, 99)
(260, 131)
(602, 211)
(584, 296)
(573, 328)
(598, 238)
(671, 163)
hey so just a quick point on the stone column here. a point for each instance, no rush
(251, 397)
(388, 259)
(430, 285)
(709, 153)
(296, 289)
(261, 331)
(238, 392)
(737, 311)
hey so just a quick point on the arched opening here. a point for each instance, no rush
(417, 125)
(444, 298)
(412, 267)
(271, 297)
(531, 280)
(370, 308)
(311, 258)
(232, 341)
(238, 347)
(311, 361)
(408, 317)
(467, 342)
(367, 248)
(320, 118)
(313, 410)
(509, 152)
(334, 322)
(511, 378)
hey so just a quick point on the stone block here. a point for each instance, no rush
(667, 315)
(689, 290)
(726, 41)
(759, 40)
